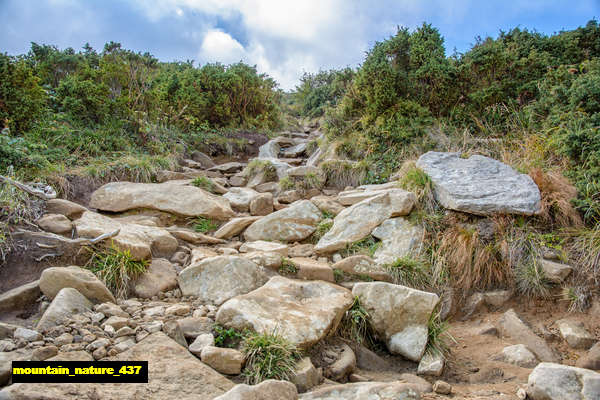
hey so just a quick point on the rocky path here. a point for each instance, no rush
(263, 246)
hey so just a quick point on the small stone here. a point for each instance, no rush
(152, 327)
(141, 335)
(519, 355)
(44, 353)
(173, 330)
(178, 309)
(431, 364)
(487, 329)
(152, 312)
(575, 334)
(442, 387)
(88, 338)
(99, 353)
(521, 394)
(111, 309)
(555, 272)
(225, 361)
(97, 344)
(306, 375)
(110, 330)
(97, 317)
(115, 322)
(7, 345)
(63, 339)
(124, 331)
(202, 341)
(124, 345)
(27, 334)
(200, 312)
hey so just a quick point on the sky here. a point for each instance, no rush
(282, 38)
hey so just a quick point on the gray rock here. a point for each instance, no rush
(294, 223)
(54, 279)
(575, 334)
(512, 325)
(266, 390)
(431, 364)
(66, 303)
(519, 355)
(306, 376)
(20, 297)
(365, 390)
(399, 238)
(203, 159)
(27, 334)
(399, 314)
(550, 381)
(201, 341)
(303, 312)
(218, 279)
(160, 276)
(591, 360)
(343, 366)
(555, 272)
(225, 361)
(480, 185)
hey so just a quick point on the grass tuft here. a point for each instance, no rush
(367, 246)
(269, 356)
(205, 183)
(342, 173)
(355, 325)
(261, 166)
(411, 272)
(287, 267)
(204, 225)
(438, 337)
(323, 227)
(116, 268)
(417, 181)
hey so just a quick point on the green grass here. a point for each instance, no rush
(116, 268)
(286, 183)
(438, 337)
(227, 337)
(578, 297)
(203, 182)
(287, 267)
(411, 272)
(367, 246)
(530, 279)
(269, 356)
(355, 325)
(417, 181)
(204, 225)
(341, 173)
(323, 227)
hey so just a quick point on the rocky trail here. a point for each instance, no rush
(262, 246)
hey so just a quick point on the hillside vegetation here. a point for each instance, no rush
(528, 99)
(61, 109)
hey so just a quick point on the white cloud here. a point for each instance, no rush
(218, 46)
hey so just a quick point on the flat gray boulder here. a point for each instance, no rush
(294, 223)
(182, 200)
(480, 185)
(217, 279)
(549, 381)
(303, 312)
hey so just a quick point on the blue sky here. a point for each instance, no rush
(283, 38)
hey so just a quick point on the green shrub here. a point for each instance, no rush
(116, 268)
(227, 337)
(269, 356)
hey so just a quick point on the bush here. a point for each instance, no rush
(117, 269)
(227, 337)
(269, 356)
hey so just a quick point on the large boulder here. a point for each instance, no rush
(294, 223)
(266, 390)
(364, 391)
(142, 241)
(303, 312)
(160, 276)
(218, 279)
(55, 223)
(355, 223)
(65, 207)
(550, 381)
(234, 227)
(67, 302)
(173, 374)
(56, 278)
(480, 185)
(182, 200)
(399, 314)
(270, 149)
(360, 266)
(21, 297)
(399, 238)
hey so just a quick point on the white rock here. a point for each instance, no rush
(399, 238)
(519, 355)
(66, 303)
(294, 223)
(550, 381)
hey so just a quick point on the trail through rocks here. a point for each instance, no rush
(262, 246)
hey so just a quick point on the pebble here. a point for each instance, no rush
(442, 387)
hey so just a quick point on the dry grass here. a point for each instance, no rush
(342, 173)
(557, 193)
(472, 263)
